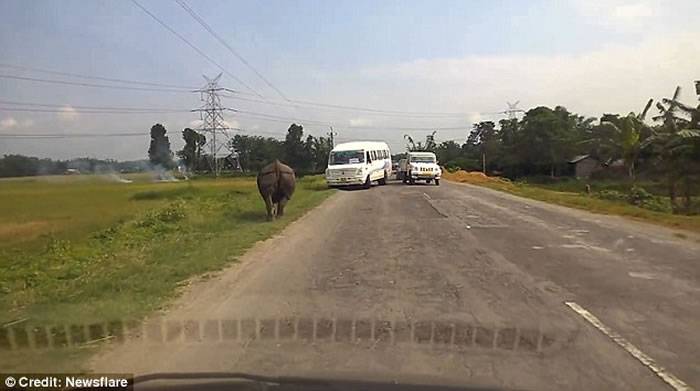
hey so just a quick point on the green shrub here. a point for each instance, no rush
(611, 195)
(170, 214)
(657, 204)
(638, 195)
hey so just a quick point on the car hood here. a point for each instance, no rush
(237, 381)
(346, 166)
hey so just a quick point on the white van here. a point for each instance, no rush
(359, 163)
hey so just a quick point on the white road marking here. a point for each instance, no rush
(585, 247)
(426, 196)
(647, 361)
(537, 247)
(646, 276)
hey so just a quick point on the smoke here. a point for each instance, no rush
(105, 172)
(114, 177)
(160, 174)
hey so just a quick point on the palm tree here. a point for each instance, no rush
(623, 137)
(673, 143)
(620, 138)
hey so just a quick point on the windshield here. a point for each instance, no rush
(422, 159)
(346, 157)
(496, 194)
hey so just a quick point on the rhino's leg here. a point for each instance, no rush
(281, 205)
(270, 206)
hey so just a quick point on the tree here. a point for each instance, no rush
(254, 152)
(159, 152)
(507, 135)
(295, 152)
(191, 152)
(622, 137)
(546, 139)
(318, 150)
(484, 138)
(428, 146)
(675, 144)
(448, 152)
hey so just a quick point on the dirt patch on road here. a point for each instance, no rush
(474, 177)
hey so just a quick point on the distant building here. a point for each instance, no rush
(71, 171)
(585, 165)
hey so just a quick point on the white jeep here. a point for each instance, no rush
(420, 166)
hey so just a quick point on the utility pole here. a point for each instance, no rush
(332, 135)
(212, 115)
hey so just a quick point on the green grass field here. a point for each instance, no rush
(81, 250)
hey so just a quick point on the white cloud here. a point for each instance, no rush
(474, 117)
(360, 121)
(8, 123)
(615, 78)
(232, 124)
(13, 123)
(68, 114)
(620, 14)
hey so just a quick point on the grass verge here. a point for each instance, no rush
(117, 251)
(577, 200)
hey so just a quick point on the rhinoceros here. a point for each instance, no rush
(276, 183)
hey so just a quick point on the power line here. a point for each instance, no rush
(56, 108)
(110, 108)
(69, 135)
(101, 78)
(235, 93)
(211, 31)
(265, 116)
(350, 108)
(35, 110)
(83, 84)
(190, 44)
(275, 118)
(425, 114)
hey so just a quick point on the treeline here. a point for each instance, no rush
(305, 154)
(20, 165)
(545, 140)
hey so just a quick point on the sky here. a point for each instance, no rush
(463, 57)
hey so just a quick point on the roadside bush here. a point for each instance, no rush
(657, 204)
(611, 195)
(170, 214)
(637, 195)
(640, 197)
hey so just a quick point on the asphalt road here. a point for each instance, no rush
(450, 285)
